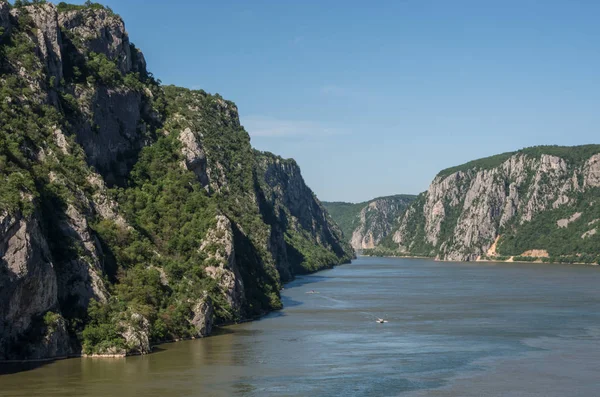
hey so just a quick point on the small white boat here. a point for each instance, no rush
(381, 321)
(312, 291)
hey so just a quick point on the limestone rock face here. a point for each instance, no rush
(591, 171)
(136, 334)
(102, 205)
(49, 39)
(219, 247)
(376, 219)
(28, 285)
(113, 132)
(53, 343)
(589, 233)
(194, 158)
(462, 213)
(33, 282)
(203, 316)
(110, 122)
(102, 33)
(292, 208)
(562, 223)
(80, 278)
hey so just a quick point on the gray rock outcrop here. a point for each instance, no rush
(203, 315)
(102, 32)
(464, 211)
(28, 284)
(136, 334)
(220, 250)
(49, 39)
(194, 158)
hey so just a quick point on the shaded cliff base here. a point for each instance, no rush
(13, 366)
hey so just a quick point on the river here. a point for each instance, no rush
(454, 329)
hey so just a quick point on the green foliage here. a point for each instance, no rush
(88, 5)
(51, 320)
(385, 251)
(19, 48)
(542, 232)
(521, 258)
(24, 3)
(479, 164)
(103, 69)
(346, 215)
(499, 258)
(171, 214)
(314, 257)
(103, 331)
(151, 251)
(23, 124)
(574, 155)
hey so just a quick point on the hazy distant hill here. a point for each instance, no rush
(366, 224)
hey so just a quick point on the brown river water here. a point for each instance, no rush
(454, 329)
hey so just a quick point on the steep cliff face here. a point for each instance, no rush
(311, 240)
(366, 224)
(276, 221)
(28, 287)
(508, 205)
(132, 213)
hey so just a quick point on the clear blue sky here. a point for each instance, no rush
(374, 100)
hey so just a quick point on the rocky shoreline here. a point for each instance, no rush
(510, 260)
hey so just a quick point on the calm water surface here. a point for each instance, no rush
(455, 329)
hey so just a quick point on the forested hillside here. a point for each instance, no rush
(132, 212)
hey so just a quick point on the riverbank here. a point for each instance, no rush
(159, 343)
(509, 260)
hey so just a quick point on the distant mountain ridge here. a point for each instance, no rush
(366, 224)
(537, 204)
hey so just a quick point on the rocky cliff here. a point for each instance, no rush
(539, 203)
(366, 224)
(130, 212)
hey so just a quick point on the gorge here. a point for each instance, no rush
(134, 213)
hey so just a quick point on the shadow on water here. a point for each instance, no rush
(289, 302)
(8, 368)
(304, 280)
(157, 350)
(275, 314)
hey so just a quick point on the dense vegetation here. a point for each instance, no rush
(149, 256)
(574, 157)
(346, 215)
(563, 244)
(64, 7)
(171, 213)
